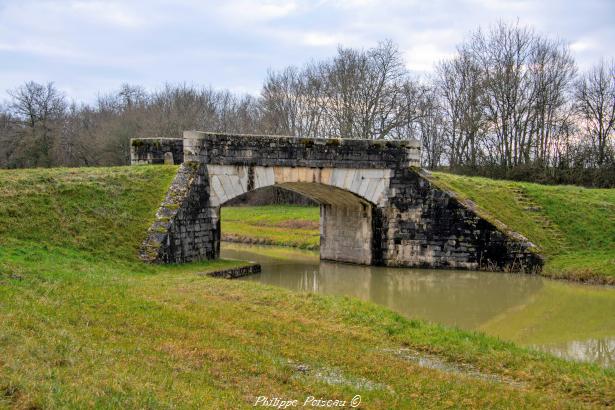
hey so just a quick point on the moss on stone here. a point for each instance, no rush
(307, 142)
(192, 165)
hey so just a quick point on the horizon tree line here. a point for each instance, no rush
(509, 104)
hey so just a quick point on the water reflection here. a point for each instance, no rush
(427, 294)
(600, 351)
(523, 308)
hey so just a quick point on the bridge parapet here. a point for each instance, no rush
(156, 150)
(264, 150)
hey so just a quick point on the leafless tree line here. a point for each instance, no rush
(510, 103)
(357, 94)
(515, 106)
(39, 128)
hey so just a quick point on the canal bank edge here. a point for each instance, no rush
(234, 273)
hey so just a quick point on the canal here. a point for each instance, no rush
(573, 321)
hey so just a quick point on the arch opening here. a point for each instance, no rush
(346, 220)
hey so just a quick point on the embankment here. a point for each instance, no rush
(87, 325)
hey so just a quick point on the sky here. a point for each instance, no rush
(89, 48)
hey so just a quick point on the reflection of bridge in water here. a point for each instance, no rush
(461, 298)
(526, 309)
(432, 294)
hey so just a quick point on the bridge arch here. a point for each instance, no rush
(230, 181)
(347, 199)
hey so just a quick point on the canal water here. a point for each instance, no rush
(573, 321)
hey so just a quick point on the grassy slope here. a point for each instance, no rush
(574, 227)
(284, 225)
(83, 324)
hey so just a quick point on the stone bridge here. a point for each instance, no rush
(376, 206)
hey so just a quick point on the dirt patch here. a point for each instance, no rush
(10, 393)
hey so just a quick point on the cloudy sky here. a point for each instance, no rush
(87, 47)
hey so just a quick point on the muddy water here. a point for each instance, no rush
(569, 320)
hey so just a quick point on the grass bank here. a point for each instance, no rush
(84, 324)
(573, 226)
(283, 225)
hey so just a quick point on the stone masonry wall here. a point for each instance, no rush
(346, 233)
(224, 149)
(153, 150)
(429, 227)
(234, 273)
(186, 228)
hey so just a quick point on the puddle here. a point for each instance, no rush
(336, 377)
(434, 362)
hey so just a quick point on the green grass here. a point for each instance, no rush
(284, 225)
(99, 210)
(573, 226)
(83, 324)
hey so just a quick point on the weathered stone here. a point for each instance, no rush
(168, 158)
(156, 151)
(233, 273)
(375, 208)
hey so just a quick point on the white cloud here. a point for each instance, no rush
(504, 5)
(108, 12)
(319, 39)
(245, 11)
(89, 44)
(38, 48)
(583, 45)
(352, 4)
(422, 57)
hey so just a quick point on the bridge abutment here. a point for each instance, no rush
(346, 233)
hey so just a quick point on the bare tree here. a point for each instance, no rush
(39, 108)
(430, 128)
(73, 142)
(506, 96)
(292, 103)
(553, 71)
(506, 105)
(504, 55)
(595, 106)
(365, 94)
(459, 82)
(8, 137)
